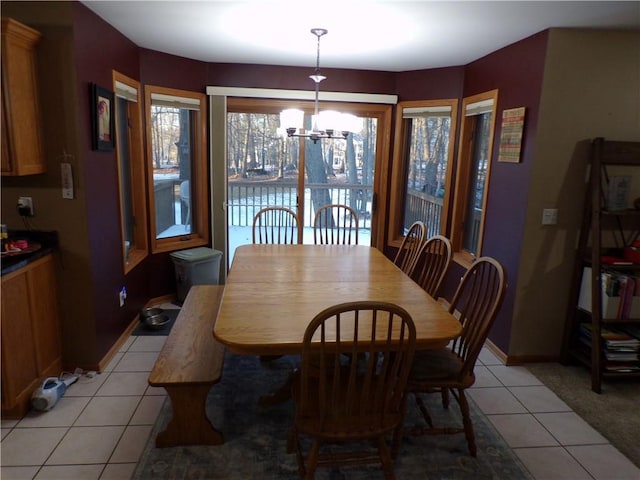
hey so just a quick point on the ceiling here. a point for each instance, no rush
(386, 35)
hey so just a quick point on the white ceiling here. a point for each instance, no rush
(386, 35)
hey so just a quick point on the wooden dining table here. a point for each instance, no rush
(273, 291)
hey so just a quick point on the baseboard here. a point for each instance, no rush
(511, 360)
(115, 348)
(496, 351)
(162, 299)
(127, 333)
(524, 359)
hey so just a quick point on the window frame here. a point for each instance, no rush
(400, 167)
(139, 250)
(461, 191)
(199, 234)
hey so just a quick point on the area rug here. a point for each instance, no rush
(255, 439)
(142, 329)
(614, 412)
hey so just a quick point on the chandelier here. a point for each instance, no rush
(326, 124)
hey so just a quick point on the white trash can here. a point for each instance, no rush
(195, 266)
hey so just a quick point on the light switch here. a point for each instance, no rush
(549, 216)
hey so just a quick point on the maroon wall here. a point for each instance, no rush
(517, 72)
(99, 48)
(164, 70)
(297, 78)
(435, 84)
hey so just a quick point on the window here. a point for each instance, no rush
(472, 178)
(176, 162)
(422, 166)
(130, 157)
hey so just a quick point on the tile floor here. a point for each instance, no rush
(100, 427)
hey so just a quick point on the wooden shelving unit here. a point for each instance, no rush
(603, 232)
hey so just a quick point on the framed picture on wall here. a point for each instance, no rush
(511, 136)
(102, 119)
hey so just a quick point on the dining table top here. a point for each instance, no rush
(273, 291)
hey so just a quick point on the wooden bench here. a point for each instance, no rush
(189, 364)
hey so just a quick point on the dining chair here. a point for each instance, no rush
(475, 303)
(407, 256)
(350, 387)
(433, 261)
(335, 224)
(275, 225)
(279, 225)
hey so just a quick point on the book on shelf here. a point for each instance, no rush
(631, 330)
(611, 337)
(612, 260)
(621, 357)
(620, 297)
(622, 367)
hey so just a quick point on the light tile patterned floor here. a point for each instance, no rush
(100, 427)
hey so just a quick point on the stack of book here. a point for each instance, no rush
(620, 346)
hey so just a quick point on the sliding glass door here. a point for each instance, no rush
(267, 168)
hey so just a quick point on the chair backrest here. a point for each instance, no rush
(355, 363)
(433, 263)
(407, 257)
(476, 303)
(276, 225)
(335, 224)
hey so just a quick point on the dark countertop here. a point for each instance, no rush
(48, 240)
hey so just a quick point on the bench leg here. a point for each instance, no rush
(189, 425)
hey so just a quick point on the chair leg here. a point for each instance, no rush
(423, 409)
(445, 397)
(291, 439)
(397, 433)
(312, 460)
(385, 458)
(466, 420)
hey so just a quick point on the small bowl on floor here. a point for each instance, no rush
(156, 322)
(150, 312)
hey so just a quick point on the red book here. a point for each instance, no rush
(628, 297)
(622, 280)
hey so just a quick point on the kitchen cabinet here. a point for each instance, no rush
(31, 347)
(22, 147)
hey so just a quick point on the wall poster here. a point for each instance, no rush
(511, 135)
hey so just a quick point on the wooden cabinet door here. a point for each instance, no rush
(44, 317)
(19, 368)
(22, 150)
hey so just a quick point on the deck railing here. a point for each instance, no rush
(245, 199)
(426, 208)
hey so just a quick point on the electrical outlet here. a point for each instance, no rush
(25, 206)
(550, 216)
(123, 296)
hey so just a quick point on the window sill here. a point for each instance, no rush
(136, 256)
(464, 259)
